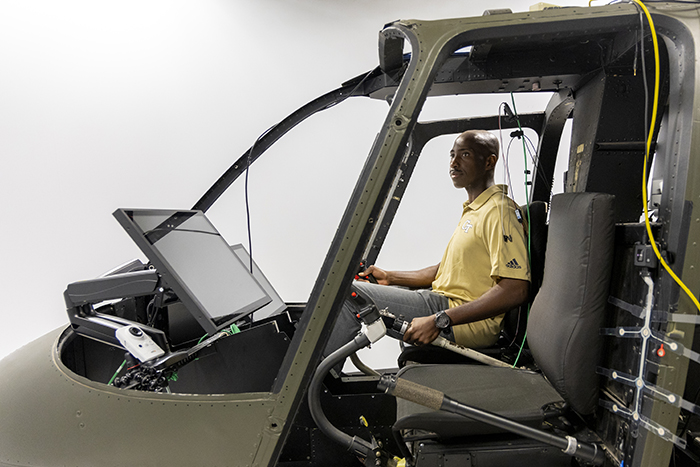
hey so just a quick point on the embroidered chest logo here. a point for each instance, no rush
(467, 225)
(513, 264)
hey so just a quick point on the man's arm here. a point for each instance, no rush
(505, 295)
(416, 279)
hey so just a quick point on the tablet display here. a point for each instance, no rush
(196, 263)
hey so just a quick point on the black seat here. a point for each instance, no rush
(562, 332)
(514, 321)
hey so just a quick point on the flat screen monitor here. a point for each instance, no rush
(276, 305)
(196, 263)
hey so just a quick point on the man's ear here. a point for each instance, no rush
(491, 161)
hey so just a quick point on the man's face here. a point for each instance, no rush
(467, 167)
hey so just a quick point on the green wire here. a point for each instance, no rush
(527, 207)
(114, 376)
(522, 344)
(527, 195)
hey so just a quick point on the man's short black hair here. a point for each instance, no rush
(484, 142)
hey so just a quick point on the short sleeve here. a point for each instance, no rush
(506, 243)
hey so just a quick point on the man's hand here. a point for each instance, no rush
(415, 279)
(422, 331)
(379, 274)
(504, 296)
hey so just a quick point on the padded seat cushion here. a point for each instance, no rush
(517, 394)
(564, 327)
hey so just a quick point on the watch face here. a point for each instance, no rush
(442, 320)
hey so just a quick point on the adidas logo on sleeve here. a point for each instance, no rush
(513, 264)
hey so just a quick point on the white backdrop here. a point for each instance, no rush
(145, 103)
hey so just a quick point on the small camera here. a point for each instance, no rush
(138, 343)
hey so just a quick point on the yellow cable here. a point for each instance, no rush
(648, 150)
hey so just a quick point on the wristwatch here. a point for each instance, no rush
(442, 320)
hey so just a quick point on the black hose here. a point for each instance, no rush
(357, 445)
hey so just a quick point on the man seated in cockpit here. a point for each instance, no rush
(483, 273)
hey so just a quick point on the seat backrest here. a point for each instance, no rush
(515, 321)
(565, 319)
(537, 219)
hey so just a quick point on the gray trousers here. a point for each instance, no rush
(398, 301)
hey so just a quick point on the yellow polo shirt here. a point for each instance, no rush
(488, 244)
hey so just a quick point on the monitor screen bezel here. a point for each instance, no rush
(174, 281)
(276, 305)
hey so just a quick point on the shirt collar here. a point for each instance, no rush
(484, 197)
